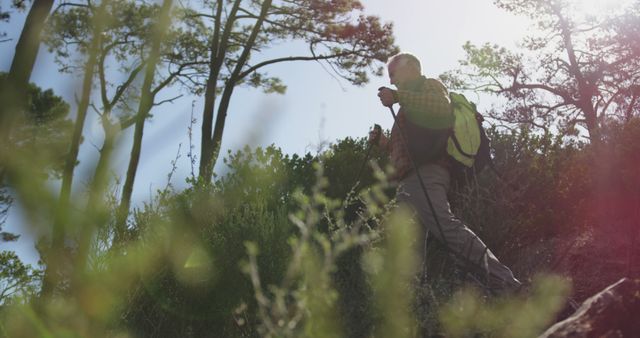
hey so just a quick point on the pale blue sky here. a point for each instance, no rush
(317, 107)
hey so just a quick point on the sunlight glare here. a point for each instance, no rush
(600, 7)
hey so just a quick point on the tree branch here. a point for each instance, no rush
(103, 80)
(167, 100)
(610, 100)
(123, 87)
(517, 86)
(629, 113)
(293, 58)
(172, 76)
(69, 4)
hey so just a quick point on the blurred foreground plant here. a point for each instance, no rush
(512, 316)
(302, 252)
(304, 303)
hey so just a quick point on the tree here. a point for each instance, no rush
(38, 149)
(62, 213)
(161, 25)
(573, 73)
(16, 278)
(38, 144)
(39, 137)
(627, 30)
(336, 32)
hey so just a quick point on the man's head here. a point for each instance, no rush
(403, 68)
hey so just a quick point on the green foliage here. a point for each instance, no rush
(299, 246)
(393, 270)
(337, 33)
(267, 175)
(201, 284)
(18, 281)
(281, 246)
(38, 145)
(269, 249)
(468, 314)
(124, 49)
(345, 160)
(126, 33)
(292, 272)
(40, 135)
(305, 302)
(559, 202)
(570, 75)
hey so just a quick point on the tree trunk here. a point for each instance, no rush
(14, 90)
(216, 140)
(100, 175)
(62, 213)
(206, 165)
(586, 91)
(146, 102)
(96, 210)
(218, 52)
(29, 43)
(593, 126)
(221, 118)
(127, 189)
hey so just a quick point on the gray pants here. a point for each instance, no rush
(458, 237)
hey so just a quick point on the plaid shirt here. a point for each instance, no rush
(426, 103)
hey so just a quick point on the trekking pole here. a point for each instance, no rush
(377, 128)
(349, 199)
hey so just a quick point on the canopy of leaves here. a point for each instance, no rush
(5, 15)
(42, 132)
(125, 44)
(335, 31)
(572, 72)
(16, 278)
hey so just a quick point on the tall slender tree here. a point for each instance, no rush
(147, 95)
(54, 256)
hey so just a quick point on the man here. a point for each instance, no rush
(426, 101)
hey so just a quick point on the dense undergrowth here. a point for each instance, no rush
(291, 246)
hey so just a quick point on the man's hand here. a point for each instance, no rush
(374, 135)
(386, 96)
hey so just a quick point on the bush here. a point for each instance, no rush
(285, 246)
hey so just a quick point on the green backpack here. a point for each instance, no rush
(468, 144)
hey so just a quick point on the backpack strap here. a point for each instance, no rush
(457, 144)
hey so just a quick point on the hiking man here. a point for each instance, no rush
(425, 101)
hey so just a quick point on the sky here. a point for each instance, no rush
(317, 108)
